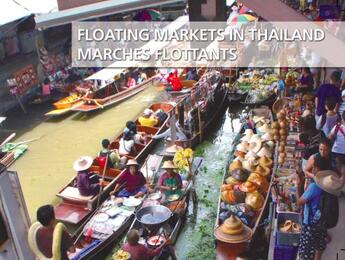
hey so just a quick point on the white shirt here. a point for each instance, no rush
(330, 122)
(339, 143)
(125, 146)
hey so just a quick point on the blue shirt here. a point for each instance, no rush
(325, 91)
(312, 197)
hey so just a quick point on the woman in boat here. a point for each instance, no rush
(141, 252)
(180, 135)
(170, 182)
(126, 144)
(148, 118)
(45, 234)
(131, 82)
(138, 137)
(133, 181)
(88, 183)
(114, 159)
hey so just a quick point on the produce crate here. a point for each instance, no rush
(288, 239)
(284, 252)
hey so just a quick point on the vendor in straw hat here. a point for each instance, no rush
(313, 237)
(132, 180)
(148, 118)
(170, 182)
(87, 182)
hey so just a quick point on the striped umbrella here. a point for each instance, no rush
(237, 20)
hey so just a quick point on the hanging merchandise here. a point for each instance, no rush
(25, 79)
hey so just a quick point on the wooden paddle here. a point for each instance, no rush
(101, 186)
(9, 138)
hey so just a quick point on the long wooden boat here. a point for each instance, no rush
(102, 100)
(65, 105)
(93, 244)
(9, 153)
(225, 250)
(187, 87)
(173, 226)
(74, 208)
(215, 103)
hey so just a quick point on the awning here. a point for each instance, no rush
(10, 11)
(105, 74)
(96, 10)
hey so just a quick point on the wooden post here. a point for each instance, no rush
(200, 124)
(20, 103)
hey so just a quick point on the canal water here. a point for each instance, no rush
(47, 166)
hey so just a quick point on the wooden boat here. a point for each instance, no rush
(93, 245)
(209, 111)
(65, 105)
(188, 86)
(172, 228)
(231, 250)
(103, 100)
(74, 207)
(10, 152)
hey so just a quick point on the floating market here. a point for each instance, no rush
(195, 162)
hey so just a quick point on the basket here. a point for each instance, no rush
(288, 239)
(284, 252)
(279, 104)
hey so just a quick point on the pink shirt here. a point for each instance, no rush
(140, 252)
(131, 83)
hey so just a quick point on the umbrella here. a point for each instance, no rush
(244, 9)
(147, 15)
(237, 20)
(155, 15)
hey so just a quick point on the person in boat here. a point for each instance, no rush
(180, 135)
(161, 115)
(44, 238)
(141, 252)
(89, 96)
(88, 183)
(142, 76)
(114, 159)
(170, 182)
(192, 75)
(130, 82)
(148, 118)
(175, 83)
(138, 137)
(126, 144)
(133, 181)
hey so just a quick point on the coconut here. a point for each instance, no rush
(282, 131)
(282, 155)
(276, 137)
(275, 131)
(281, 149)
(282, 124)
(275, 125)
(281, 160)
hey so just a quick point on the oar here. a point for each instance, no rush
(101, 186)
(14, 145)
(9, 138)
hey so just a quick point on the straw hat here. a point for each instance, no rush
(264, 151)
(263, 171)
(249, 165)
(255, 200)
(168, 165)
(265, 161)
(173, 149)
(250, 155)
(270, 144)
(329, 182)
(82, 163)
(132, 162)
(231, 180)
(233, 231)
(265, 128)
(255, 145)
(236, 164)
(241, 148)
(267, 137)
(259, 180)
(249, 132)
(248, 187)
(240, 174)
(246, 138)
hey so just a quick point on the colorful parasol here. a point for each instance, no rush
(237, 20)
(147, 15)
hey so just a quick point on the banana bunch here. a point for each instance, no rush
(183, 159)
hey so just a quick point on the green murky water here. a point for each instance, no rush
(47, 166)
